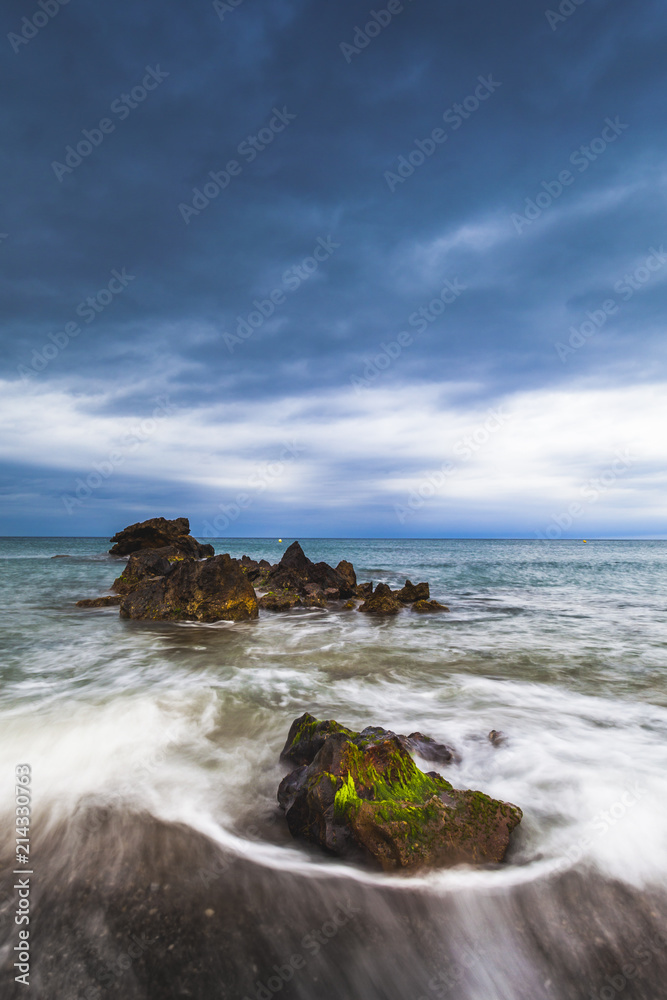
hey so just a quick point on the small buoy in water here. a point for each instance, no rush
(585, 542)
(280, 541)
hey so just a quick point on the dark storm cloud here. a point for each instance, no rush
(323, 175)
(344, 112)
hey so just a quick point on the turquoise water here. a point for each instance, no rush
(561, 645)
(590, 617)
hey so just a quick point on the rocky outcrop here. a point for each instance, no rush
(381, 602)
(361, 796)
(163, 563)
(213, 590)
(345, 570)
(158, 533)
(99, 602)
(297, 582)
(413, 592)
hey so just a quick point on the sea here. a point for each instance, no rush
(161, 866)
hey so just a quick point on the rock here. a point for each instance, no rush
(99, 602)
(364, 590)
(413, 592)
(345, 569)
(307, 736)
(296, 575)
(209, 591)
(157, 533)
(361, 795)
(61, 557)
(279, 602)
(428, 748)
(350, 605)
(381, 602)
(426, 607)
(497, 738)
(145, 564)
(256, 572)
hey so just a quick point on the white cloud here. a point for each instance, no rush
(371, 450)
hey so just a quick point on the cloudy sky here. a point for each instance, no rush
(298, 268)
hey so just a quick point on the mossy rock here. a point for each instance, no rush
(428, 607)
(381, 602)
(307, 736)
(208, 591)
(361, 795)
(412, 592)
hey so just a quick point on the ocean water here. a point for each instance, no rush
(163, 867)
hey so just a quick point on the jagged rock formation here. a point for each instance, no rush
(207, 591)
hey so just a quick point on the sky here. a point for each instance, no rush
(308, 269)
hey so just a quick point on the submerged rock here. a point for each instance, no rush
(361, 795)
(426, 607)
(99, 602)
(157, 533)
(213, 590)
(280, 602)
(381, 602)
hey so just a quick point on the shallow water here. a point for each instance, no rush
(154, 752)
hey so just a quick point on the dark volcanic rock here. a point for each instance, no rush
(428, 748)
(61, 557)
(296, 575)
(157, 533)
(413, 592)
(345, 569)
(145, 564)
(364, 590)
(426, 607)
(253, 569)
(362, 796)
(381, 602)
(99, 602)
(206, 591)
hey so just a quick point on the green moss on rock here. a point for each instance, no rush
(363, 793)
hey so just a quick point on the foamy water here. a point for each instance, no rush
(139, 734)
